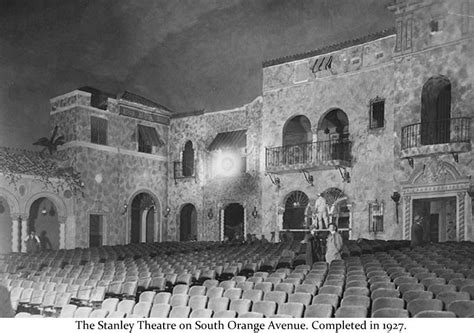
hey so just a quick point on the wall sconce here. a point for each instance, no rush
(308, 177)
(125, 208)
(396, 198)
(167, 212)
(43, 211)
(210, 214)
(254, 212)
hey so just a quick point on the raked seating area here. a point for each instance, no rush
(211, 279)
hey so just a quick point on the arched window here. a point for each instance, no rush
(296, 131)
(295, 206)
(435, 110)
(188, 160)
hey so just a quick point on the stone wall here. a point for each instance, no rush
(114, 173)
(349, 85)
(207, 191)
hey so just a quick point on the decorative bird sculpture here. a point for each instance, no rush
(52, 143)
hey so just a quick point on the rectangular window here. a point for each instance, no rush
(377, 114)
(376, 216)
(95, 230)
(98, 130)
(147, 139)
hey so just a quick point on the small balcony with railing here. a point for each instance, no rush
(183, 171)
(320, 155)
(436, 137)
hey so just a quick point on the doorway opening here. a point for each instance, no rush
(234, 221)
(188, 223)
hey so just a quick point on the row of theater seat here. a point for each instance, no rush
(426, 281)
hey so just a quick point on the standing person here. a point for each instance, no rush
(320, 212)
(333, 244)
(417, 231)
(312, 246)
(45, 242)
(32, 242)
(6, 310)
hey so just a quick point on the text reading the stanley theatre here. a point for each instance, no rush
(143, 325)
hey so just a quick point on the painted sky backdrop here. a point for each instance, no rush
(184, 54)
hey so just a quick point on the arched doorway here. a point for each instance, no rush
(5, 226)
(188, 223)
(436, 111)
(337, 204)
(234, 221)
(297, 137)
(43, 217)
(143, 219)
(188, 159)
(333, 136)
(295, 207)
(297, 130)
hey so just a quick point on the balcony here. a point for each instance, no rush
(182, 172)
(436, 137)
(319, 155)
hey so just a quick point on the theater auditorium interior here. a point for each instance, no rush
(185, 159)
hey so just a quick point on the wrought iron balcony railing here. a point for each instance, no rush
(183, 171)
(312, 153)
(436, 132)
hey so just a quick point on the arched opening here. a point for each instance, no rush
(234, 221)
(5, 226)
(435, 111)
(188, 160)
(143, 219)
(333, 136)
(297, 130)
(338, 211)
(333, 126)
(188, 223)
(43, 219)
(295, 207)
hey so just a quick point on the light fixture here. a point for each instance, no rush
(167, 212)
(125, 208)
(396, 198)
(210, 214)
(44, 211)
(346, 176)
(254, 212)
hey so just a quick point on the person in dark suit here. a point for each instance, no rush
(6, 310)
(417, 231)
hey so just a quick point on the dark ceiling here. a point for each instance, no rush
(184, 54)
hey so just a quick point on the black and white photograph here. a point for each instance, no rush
(246, 164)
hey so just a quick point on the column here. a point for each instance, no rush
(460, 211)
(406, 217)
(15, 235)
(221, 227)
(24, 233)
(245, 222)
(349, 207)
(279, 227)
(62, 235)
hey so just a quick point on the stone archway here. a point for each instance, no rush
(61, 213)
(143, 218)
(434, 180)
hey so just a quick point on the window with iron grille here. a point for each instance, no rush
(98, 130)
(376, 216)
(377, 113)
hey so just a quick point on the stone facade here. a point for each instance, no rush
(207, 191)
(430, 39)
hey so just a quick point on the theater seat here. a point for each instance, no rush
(418, 305)
(225, 314)
(295, 310)
(434, 314)
(390, 313)
(463, 309)
(351, 311)
(267, 308)
(201, 313)
(319, 311)
(180, 312)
